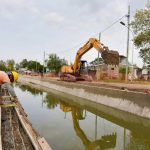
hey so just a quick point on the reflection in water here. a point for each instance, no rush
(110, 132)
(51, 101)
(27, 88)
(138, 143)
(107, 141)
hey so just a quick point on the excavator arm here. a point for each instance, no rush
(73, 72)
(109, 57)
(105, 142)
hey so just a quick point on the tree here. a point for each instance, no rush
(123, 70)
(3, 65)
(10, 64)
(141, 28)
(54, 63)
(24, 63)
(52, 101)
(33, 65)
(17, 66)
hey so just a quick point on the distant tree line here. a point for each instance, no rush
(7, 65)
(53, 64)
(31, 65)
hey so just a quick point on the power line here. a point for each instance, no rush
(108, 27)
(71, 47)
(113, 24)
(105, 29)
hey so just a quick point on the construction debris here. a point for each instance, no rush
(110, 57)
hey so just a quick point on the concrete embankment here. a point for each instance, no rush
(16, 131)
(133, 102)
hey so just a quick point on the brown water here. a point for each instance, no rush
(70, 123)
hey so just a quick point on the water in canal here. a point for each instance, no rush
(73, 124)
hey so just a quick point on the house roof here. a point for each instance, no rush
(122, 56)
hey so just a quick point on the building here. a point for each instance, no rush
(103, 71)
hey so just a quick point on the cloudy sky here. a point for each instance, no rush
(30, 27)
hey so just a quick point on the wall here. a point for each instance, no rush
(135, 103)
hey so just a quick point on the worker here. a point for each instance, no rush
(5, 82)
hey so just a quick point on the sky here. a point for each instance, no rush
(30, 27)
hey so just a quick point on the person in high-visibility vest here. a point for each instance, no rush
(5, 81)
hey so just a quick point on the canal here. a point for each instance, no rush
(71, 123)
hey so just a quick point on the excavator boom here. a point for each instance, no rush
(109, 57)
(73, 72)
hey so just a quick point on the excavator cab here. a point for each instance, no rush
(83, 73)
(83, 67)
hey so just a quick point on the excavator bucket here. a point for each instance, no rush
(109, 141)
(110, 57)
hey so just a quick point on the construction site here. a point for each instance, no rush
(76, 94)
(111, 105)
(74, 75)
(24, 127)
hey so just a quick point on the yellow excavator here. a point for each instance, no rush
(78, 70)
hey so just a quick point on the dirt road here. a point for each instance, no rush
(123, 86)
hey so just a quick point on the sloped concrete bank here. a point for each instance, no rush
(133, 102)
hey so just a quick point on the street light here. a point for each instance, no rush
(123, 23)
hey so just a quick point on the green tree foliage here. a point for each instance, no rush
(17, 66)
(51, 101)
(123, 70)
(141, 28)
(33, 65)
(30, 89)
(10, 64)
(40, 68)
(24, 63)
(3, 66)
(54, 63)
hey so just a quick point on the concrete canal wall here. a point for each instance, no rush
(133, 102)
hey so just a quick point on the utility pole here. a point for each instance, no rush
(128, 37)
(98, 77)
(98, 69)
(36, 65)
(43, 62)
(98, 51)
